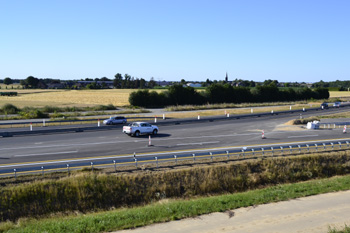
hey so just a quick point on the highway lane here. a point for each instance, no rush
(183, 137)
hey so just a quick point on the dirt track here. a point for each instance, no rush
(309, 214)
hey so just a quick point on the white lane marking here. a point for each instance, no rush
(38, 143)
(302, 136)
(196, 143)
(166, 153)
(51, 153)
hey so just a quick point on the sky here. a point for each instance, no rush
(284, 40)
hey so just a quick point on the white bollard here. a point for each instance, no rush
(31, 127)
(228, 114)
(155, 119)
(163, 116)
(303, 109)
(271, 111)
(98, 123)
(290, 107)
(199, 117)
(225, 113)
(251, 110)
(43, 122)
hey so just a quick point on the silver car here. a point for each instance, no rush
(115, 120)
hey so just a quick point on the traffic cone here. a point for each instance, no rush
(263, 135)
(149, 141)
(344, 130)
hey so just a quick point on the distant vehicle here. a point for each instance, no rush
(324, 105)
(336, 105)
(115, 120)
(138, 128)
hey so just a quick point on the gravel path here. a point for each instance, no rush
(309, 214)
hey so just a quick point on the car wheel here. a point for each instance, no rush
(155, 132)
(137, 133)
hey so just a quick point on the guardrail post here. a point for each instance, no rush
(332, 145)
(281, 150)
(272, 151)
(316, 147)
(194, 158)
(68, 168)
(299, 149)
(136, 162)
(228, 154)
(211, 156)
(175, 159)
(308, 148)
(324, 146)
(347, 143)
(262, 151)
(42, 169)
(156, 161)
(290, 149)
(92, 166)
(339, 145)
(253, 152)
(115, 166)
(14, 170)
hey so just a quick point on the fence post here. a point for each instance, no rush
(92, 166)
(211, 156)
(14, 170)
(262, 151)
(290, 149)
(332, 145)
(136, 162)
(308, 148)
(175, 159)
(194, 158)
(253, 152)
(316, 147)
(299, 149)
(347, 143)
(228, 154)
(272, 151)
(324, 146)
(339, 145)
(156, 161)
(281, 150)
(115, 166)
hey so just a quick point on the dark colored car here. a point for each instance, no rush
(324, 105)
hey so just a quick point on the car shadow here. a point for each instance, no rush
(159, 135)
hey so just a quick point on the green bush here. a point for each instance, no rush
(9, 109)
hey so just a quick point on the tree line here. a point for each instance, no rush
(223, 93)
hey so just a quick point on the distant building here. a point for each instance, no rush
(194, 84)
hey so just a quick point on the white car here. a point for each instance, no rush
(115, 120)
(138, 128)
(336, 104)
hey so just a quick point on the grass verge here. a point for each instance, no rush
(167, 210)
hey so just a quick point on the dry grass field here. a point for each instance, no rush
(63, 98)
(81, 98)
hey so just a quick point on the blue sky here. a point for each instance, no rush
(290, 41)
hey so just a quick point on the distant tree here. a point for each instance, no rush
(152, 83)
(118, 79)
(142, 83)
(8, 81)
(32, 82)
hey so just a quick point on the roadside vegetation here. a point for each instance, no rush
(66, 112)
(163, 194)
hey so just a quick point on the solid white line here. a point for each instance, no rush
(316, 135)
(196, 143)
(52, 153)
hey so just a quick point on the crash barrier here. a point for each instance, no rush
(40, 127)
(137, 161)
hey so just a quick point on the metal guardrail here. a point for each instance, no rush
(155, 159)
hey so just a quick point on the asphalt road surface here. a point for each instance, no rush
(183, 137)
